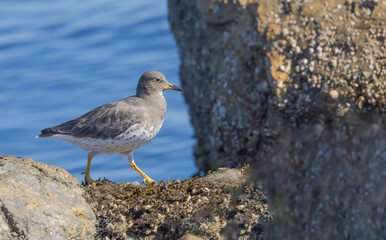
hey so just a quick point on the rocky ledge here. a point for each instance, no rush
(38, 201)
(218, 205)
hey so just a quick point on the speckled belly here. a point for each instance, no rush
(125, 142)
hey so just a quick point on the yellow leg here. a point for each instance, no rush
(87, 177)
(145, 177)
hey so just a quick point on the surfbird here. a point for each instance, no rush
(121, 126)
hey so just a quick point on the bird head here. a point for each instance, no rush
(152, 82)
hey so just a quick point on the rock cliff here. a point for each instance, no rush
(296, 89)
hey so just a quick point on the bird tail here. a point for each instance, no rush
(48, 132)
(64, 128)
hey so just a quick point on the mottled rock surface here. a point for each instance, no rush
(296, 89)
(252, 68)
(38, 201)
(218, 205)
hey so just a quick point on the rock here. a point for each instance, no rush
(38, 201)
(297, 90)
(190, 237)
(198, 208)
(248, 76)
(225, 178)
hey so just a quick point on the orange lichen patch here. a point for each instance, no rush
(380, 11)
(244, 2)
(316, 6)
(312, 9)
(265, 7)
(274, 28)
(276, 61)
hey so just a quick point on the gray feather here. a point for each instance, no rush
(103, 122)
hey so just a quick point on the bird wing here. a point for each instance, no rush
(103, 122)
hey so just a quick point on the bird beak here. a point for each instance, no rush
(170, 86)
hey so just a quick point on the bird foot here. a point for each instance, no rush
(87, 179)
(145, 177)
(148, 180)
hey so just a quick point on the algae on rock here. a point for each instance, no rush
(206, 207)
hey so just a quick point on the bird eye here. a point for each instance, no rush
(157, 80)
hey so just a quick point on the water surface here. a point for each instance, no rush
(60, 59)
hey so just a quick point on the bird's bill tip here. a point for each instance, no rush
(172, 87)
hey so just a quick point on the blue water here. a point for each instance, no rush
(60, 59)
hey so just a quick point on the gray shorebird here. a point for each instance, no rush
(121, 126)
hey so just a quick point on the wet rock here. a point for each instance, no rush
(38, 201)
(205, 207)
